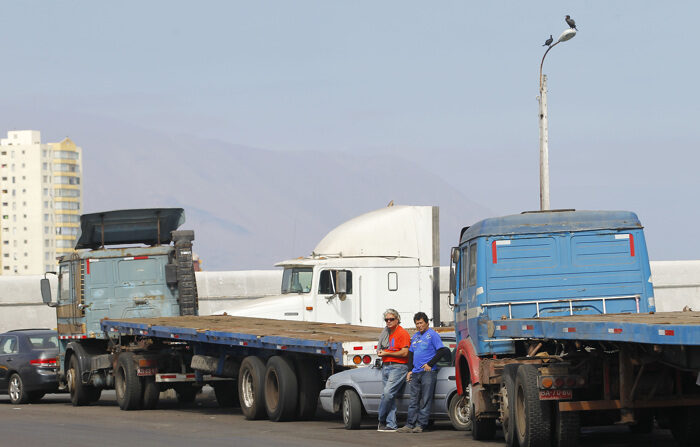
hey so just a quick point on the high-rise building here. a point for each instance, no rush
(41, 199)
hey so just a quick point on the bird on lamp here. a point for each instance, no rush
(571, 23)
(549, 41)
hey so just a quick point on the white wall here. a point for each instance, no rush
(676, 285)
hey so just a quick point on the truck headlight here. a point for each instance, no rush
(328, 384)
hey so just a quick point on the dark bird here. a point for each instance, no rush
(571, 23)
(549, 41)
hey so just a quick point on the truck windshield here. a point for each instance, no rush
(297, 280)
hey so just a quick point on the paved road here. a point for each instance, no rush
(55, 422)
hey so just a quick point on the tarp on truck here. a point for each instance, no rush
(150, 226)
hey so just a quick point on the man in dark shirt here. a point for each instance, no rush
(425, 351)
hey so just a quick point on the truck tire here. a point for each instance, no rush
(508, 405)
(80, 394)
(309, 388)
(567, 425)
(351, 409)
(226, 393)
(533, 417)
(685, 427)
(151, 392)
(15, 388)
(127, 384)
(460, 413)
(483, 429)
(281, 390)
(251, 379)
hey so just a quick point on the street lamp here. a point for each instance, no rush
(544, 138)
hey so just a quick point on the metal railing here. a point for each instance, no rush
(571, 301)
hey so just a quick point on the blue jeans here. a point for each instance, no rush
(393, 378)
(422, 387)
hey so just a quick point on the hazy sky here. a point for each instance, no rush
(451, 85)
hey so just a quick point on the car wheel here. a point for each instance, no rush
(351, 408)
(460, 413)
(16, 390)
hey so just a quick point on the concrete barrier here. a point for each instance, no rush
(676, 285)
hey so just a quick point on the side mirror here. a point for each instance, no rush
(46, 292)
(453, 287)
(455, 255)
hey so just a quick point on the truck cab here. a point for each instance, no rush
(124, 266)
(544, 264)
(385, 258)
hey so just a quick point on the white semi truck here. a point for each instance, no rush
(385, 258)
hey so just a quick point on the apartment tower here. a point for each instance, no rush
(41, 200)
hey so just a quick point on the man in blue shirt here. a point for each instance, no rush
(425, 351)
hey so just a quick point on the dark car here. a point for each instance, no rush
(28, 364)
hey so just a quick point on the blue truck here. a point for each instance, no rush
(557, 329)
(127, 319)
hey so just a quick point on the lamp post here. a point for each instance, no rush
(544, 138)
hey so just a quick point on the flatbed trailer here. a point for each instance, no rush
(339, 344)
(273, 368)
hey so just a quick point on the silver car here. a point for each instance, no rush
(356, 392)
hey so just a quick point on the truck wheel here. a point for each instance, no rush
(685, 427)
(151, 392)
(79, 392)
(226, 393)
(309, 388)
(460, 413)
(533, 417)
(18, 395)
(251, 379)
(508, 405)
(483, 429)
(127, 384)
(281, 389)
(567, 425)
(186, 393)
(351, 409)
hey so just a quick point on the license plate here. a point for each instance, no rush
(146, 371)
(555, 394)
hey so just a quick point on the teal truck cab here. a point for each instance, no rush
(151, 277)
(556, 328)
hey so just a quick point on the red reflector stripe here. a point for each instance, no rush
(569, 329)
(616, 330)
(631, 245)
(528, 327)
(140, 257)
(51, 362)
(189, 376)
(494, 253)
(167, 376)
(357, 348)
(502, 328)
(87, 265)
(666, 332)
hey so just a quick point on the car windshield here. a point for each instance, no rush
(43, 341)
(297, 280)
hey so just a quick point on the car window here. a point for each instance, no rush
(9, 345)
(452, 345)
(43, 341)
